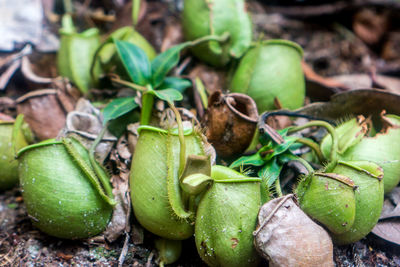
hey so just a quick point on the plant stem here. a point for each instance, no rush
(129, 84)
(182, 154)
(305, 164)
(314, 146)
(135, 11)
(67, 6)
(333, 158)
(67, 24)
(95, 56)
(147, 107)
(219, 38)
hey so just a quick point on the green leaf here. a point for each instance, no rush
(270, 172)
(286, 157)
(266, 138)
(169, 95)
(75, 57)
(117, 126)
(202, 92)
(254, 160)
(164, 62)
(179, 84)
(135, 62)
(118, 107)
(278, 149)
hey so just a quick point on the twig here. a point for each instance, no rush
(124, 250)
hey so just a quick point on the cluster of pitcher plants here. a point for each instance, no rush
(236, 213)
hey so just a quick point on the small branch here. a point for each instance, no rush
(305, 164)
(124, 251)
(334, 148)
(314, 146)
(126, 83)
(219, 38)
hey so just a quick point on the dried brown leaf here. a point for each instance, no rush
(43, 112)
(356, 81)
(286, 236)
(84, 123)
(5, 117)
(313, 76)
(230, 122)
(388, 230)
(362, 101)
(388, 227)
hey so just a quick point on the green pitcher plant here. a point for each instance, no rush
(226, 218)
(216, 17)
(169, 251)
(270, 72)
(150, 77)
(76, 53)
(67, 193)
(356, 144)
(345, 196)
(14, 135)
(106, 54)
(157, 198)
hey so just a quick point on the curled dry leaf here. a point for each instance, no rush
(44, 112)
(388, 226)
(120, 219)
(8, 106)
(230, 122)
(5, 117)
(313, 76)
(30, 75)
(120, 223)
(84, 123)
(286, 236)
(356, 81)
(355, 102)
(133, 136)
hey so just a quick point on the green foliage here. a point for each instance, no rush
(118, 107)
(270, 157)
(135, 62)
(76, 53)
(179, 84)
(169, 95)
(164, 62)
(148, 77)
